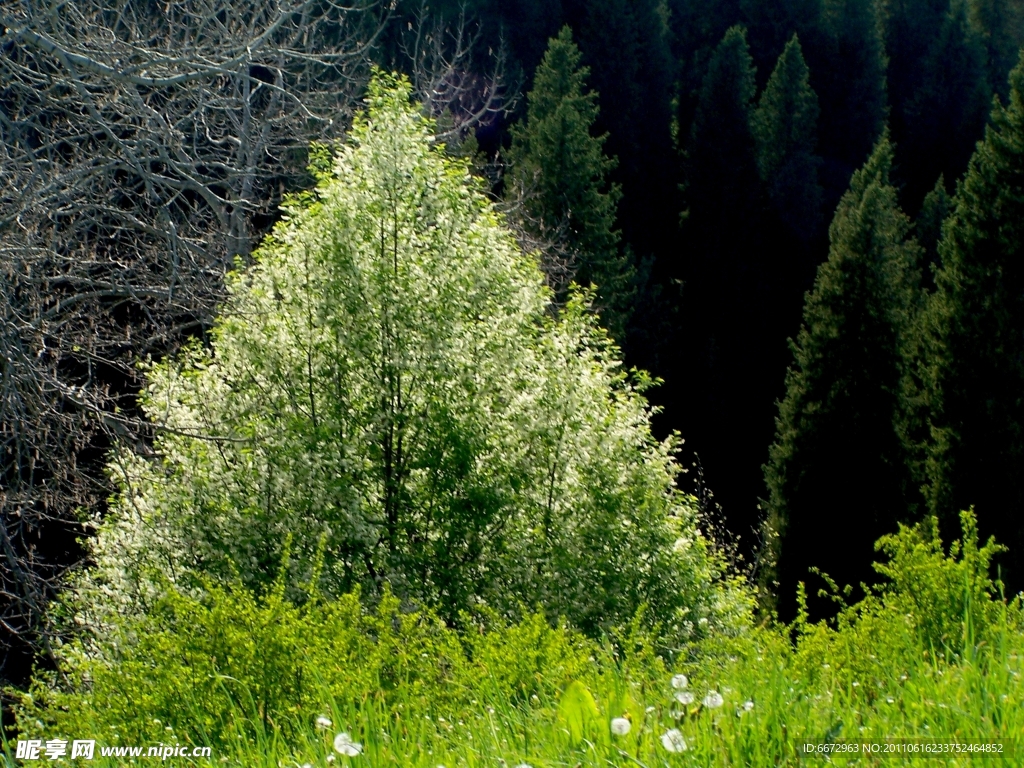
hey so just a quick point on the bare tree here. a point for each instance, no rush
(143, 147)
(454, 88)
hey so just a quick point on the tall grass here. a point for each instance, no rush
(937, 664)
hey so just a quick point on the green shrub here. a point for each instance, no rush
(229, 664)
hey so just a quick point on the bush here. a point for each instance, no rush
(229, 665)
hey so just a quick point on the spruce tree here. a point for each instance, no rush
(561, 171)
(726, 349)
(945, 116)
(721, 166)
(976, 365)
(848, 74)
(1001, 26)
(934, 211)
(625, 43)
(835, 474)
(785, 129)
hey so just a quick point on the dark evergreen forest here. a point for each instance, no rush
(735, 130)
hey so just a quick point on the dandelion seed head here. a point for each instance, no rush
(679, 682)
(673, 741)
(323, 722)
(621, 726)
(344, 745)
(748, 705)
(684, 697)
(713, 700)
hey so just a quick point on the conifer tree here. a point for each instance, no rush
(785, 128)
(561, 171)
(1001, 26)
(848, 74)
(836, 467)
(626, 45)
(945, 116)
(721, 173)
(934, 211)
(976, 364)
(726, 349)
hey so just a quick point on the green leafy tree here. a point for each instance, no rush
(785, 129)
(387, 387)
(561, 171)
(976, 359)
(838, 452)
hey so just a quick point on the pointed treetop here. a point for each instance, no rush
(787, 113)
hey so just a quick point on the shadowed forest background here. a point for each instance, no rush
(694, 160)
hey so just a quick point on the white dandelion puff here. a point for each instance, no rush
(679, 682)
(621, 726)
(713, 700)
(673, 741)
(748, 705)
(344, 745)
(323, 722)
(684, 697)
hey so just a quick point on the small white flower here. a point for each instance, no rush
(621, 726)
(890, 699)
(673, 741)
(855, 683)
(344, 745)
(748, 705)
(323, 722)
(713, 700)
(684, 697)
(649, 710)
(679, 682)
